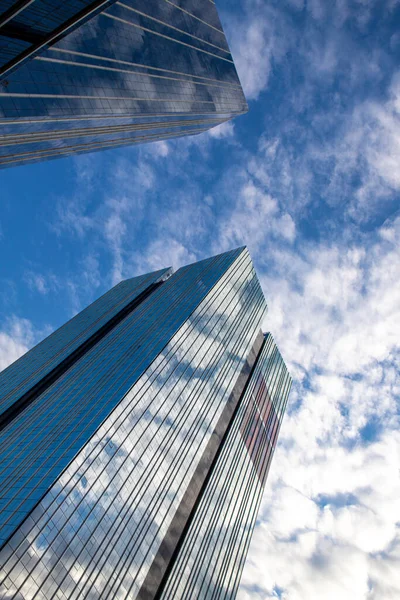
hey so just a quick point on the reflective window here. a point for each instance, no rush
(135, 72)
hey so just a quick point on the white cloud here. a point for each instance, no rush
(383, 141)
(16, 337)
(331, 502)
(37, 282)
(42, 283)
(160, 254)
(304, 548)
(258, 39)
(158, 149)
(254, 214)
(367, 147)
(223, 130)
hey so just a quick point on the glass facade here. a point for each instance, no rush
(104, 74)
(121, 471)
(48, 356)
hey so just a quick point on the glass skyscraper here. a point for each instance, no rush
(135, 441)
(80, 76)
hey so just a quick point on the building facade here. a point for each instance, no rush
(80, 76)
(135, 441)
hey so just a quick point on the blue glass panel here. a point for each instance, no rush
(37, 363)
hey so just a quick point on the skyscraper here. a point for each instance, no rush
(80, 76)
(136, 440)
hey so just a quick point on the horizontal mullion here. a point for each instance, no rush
(139, 73)
(167, 37)
(163, 23)
(134, 64)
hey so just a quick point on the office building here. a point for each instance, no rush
(135, 441)
(81, 76)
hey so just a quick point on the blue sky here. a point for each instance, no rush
(309, 180)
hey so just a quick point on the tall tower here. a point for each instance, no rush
(80, 76)
(135, 441)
